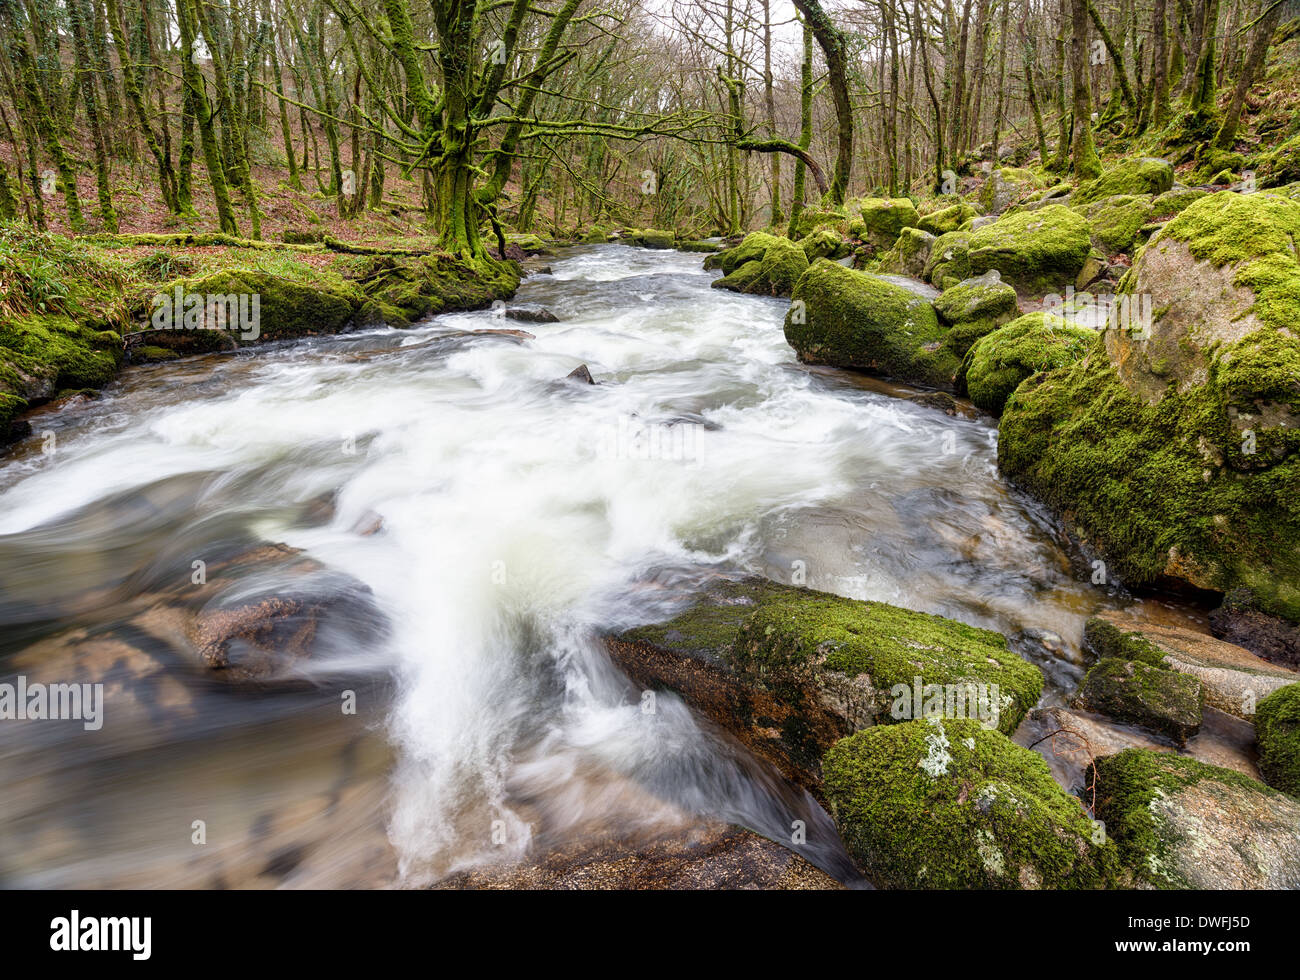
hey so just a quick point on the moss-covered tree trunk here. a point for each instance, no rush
(1254, 59)
(834, 50)
(1085, 161)
(45, 124)
(204, 115)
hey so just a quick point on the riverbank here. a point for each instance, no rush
(76, 309)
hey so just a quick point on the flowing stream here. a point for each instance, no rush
(486, 520)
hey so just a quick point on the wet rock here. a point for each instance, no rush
(1233, 679)
(531, 314)
(853, 319)
(581, 375)
(1179, 823)
(940, 400)
(717, 856)
(1129, 690)
(950, 804)
(1239, 621)
(790, 670)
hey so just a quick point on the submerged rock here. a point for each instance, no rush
(950, 804)
(581, 375)
(1179, 823)
(531, 314)
(790, 670)
(852, 319)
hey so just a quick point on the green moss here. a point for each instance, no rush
(79, 356)
(147, 354)
(786, 636)
(751, 249)
(1281, 165)
(824, 244)
(1105, 639)
(1173, 202)
(884, 217)
(851, 319)
(949, 804)
(1277, 729)
(654, 238)
(782, 265)
(949, 258)
(1037, 252)
(812, 219)
(742, 278)
(910, 254)
(1116, 221)
(1005, 186)
(1128, 787)
(947, 219)
(997, 363)
(1128, 690)
(1144, 175)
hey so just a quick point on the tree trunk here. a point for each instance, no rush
(1085, 161)
(1254, 59)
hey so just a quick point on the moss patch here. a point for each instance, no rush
(1037, 251)
(1277, 729)
(948, 804)
(1130, 690)
(997, 363)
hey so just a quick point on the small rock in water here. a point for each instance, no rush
(581, 375)
(532, 314)
(941, 400)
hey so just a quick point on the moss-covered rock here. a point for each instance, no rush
(1174, 201)
(743, 278)
(851, 319)
(813, 219)
(408, 288)
(1130, 690)
(997, 363)
(949, 804)
(1179, 823)
(783, 263)
(653, 238)
(1006, 185)
(1232, 678)
(824, 244)
(1144, 175)
(1277, 729)
(286, 308)
(1116, 221)
(77, 356)
(1177, 452)
(751, 249)
(949, 260)
(884, 217)
(975, 307)
(910, 254)
(790, 670)
(1037, 252)
(947, 219)
(1280, 165)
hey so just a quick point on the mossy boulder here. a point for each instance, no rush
(1117, 221)
(287, 308)
(1174, 201)
(751, 249)
(884, 217)
(813, 219)
(949, 260)
(1130, 690)
(772, 273)
(1177, 454)
(947, 219)
(1277, 730)
(1280, 165)
(1232, 679)
(824, 244)
(1006, 185)
(39, 346)
(1179, 823)
(1144, 175)
(852, 319)
(791, 670)
(910, 254)
(1037, 252)
(407, 288)
(975, 307)
(653, 238)
(937, 803)
(998, 362)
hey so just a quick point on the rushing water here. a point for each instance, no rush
(500, 518)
